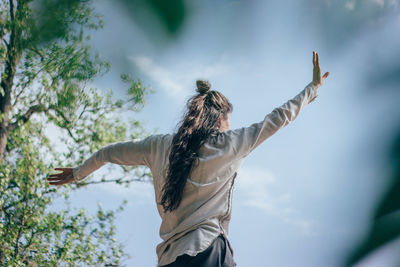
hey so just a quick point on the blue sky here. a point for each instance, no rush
(303, 197)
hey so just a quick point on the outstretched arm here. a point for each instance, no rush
(122, 153)
(246, 139)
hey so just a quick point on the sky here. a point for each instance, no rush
(304, 197)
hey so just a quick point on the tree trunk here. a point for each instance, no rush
(7, 78)
(6, 84)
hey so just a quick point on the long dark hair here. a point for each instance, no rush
(200, 122)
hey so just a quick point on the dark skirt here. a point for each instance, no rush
(218, 254)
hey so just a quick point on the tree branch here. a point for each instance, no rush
(83, 111)
(76, 140)
(117, 180)
(21, 226)
(59, 112)
(24, 118)
(37, 73)
(11, 9)
(37, 51)
(30, 241)
(26, 84)
(5, 42)
(72, 135)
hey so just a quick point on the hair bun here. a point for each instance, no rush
(203, 86)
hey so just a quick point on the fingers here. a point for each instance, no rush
(65, 171)
(62, 168)
(58, 175)
(314, 58)
(60, 180)
(326, 75)
(55, 178)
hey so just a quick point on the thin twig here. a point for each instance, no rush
(118, 180)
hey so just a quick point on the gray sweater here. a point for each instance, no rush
(205, 209)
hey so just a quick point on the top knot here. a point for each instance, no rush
(203, 86)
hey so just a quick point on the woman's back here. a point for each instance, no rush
(205, 209)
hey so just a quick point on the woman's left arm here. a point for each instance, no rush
(246, 139)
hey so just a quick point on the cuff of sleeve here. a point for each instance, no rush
(75, 172)
(313, 92)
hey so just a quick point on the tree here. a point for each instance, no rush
(46, 72)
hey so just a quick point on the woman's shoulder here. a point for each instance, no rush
(163, 140)
(159, 137)
(226, 137)
(220, 140)
(155, 142)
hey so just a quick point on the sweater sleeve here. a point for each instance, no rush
(134, 152)
(246, 139)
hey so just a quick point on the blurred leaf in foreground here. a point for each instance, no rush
(385, 226)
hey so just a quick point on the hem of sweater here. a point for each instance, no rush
(188, 252)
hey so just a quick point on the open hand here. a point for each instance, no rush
(317, 79)
(65, 177)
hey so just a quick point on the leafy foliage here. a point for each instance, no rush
(31, 234)
(46, 75)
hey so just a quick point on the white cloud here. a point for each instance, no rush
(380, 3)
(259, 188)
(328, 3)
(175, 82)
(350, 5)
(211, 70)
(393, 3)
(159, 74)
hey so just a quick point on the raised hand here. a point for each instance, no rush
(317, 79)
(65, 177)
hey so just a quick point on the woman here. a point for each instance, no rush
(194, 171)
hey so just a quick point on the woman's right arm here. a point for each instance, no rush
(134, 152)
